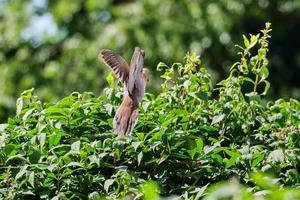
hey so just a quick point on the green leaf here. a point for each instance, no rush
(55, 112)
(18, 157)
(107, 184)
(42, 139)
(257, 158)
(246, 41)
(34, 156)
(197, 148)
(190, 144)
(264, 181)
(233, 158)
(110, 80)
(3, 127)
(54, 138)
(200, 191)
(276, 156)
(267, 86)
(168, 75)
(140, 156)
(253, 40)
(19, 106)
(95, 196)
(261, 54)
(186, 84)
(149, 190)
(253, 60)
(61, 149)
(27, 114)
(162, 66)
(74, 164)
(264, 72)
(21, 172)
(135, 145)
(246, 79)
(218, 118)
(10, 149)
(75, 147)
(31, 179)
(28, 193)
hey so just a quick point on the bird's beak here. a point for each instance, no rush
(139, 50)
(146, 74)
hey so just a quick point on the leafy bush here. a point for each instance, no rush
(188, 137)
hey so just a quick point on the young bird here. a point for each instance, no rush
(134, 80)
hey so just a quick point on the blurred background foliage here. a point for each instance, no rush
(53, 45)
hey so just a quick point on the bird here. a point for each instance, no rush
(134, 80)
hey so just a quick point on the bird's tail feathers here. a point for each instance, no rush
(125, 120)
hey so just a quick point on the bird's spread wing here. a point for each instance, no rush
(117, 64)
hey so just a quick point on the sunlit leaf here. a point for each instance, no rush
(107, 184)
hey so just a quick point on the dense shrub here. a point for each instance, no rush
(51, 45)
(188, 137)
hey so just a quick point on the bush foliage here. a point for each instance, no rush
(188, 137)
(50, 45)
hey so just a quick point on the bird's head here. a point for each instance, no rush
(146, 74)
